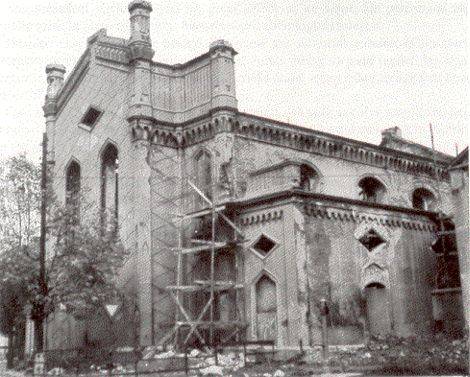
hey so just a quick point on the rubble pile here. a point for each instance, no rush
(56, 372)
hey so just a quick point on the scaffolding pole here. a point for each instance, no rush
(186, 323)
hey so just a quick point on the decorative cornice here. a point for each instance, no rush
(313, 141)
(261, 218)
(329, 207)
(180, 136)
(345, 215)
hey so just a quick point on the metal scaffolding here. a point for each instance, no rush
(200, 325)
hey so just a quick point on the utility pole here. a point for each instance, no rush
(42, 247)
(441, 233)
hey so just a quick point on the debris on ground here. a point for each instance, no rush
(213, 370)
(164, 355)
(56, 372)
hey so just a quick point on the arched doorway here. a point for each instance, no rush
(266, 309)
(378, 316)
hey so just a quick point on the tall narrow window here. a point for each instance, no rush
(371, 190)
(109, 180)
(72, 185)
(203, 170)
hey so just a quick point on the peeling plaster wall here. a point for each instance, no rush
(320, 257)
(336, 263)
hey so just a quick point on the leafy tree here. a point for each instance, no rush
(84, 259)
(19, 233)
(20, 196)
(83, 253)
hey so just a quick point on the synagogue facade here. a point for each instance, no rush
(238, 226)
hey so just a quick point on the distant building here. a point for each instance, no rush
(320, 216)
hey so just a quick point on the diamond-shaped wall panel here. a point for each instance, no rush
(371, 240)
(264, 245)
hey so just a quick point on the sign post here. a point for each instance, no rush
(39, 370)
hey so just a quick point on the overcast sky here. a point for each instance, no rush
(350, 68)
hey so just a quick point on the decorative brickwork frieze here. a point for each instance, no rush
(352, 215)
(260, 218)
(112, 53)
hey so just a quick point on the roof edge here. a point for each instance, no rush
(291, 193)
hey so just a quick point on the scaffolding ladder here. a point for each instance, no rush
(186, 326)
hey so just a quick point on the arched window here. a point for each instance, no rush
(72, 184)
(203, 173)
(371, 190)
(424, 199)
(308, 178)
(109, 180)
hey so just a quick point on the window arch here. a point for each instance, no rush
(308, 178)
(109, 180)
(203, 175)
(423, 199)
(265, 307)
(371, 190)
(72, 183)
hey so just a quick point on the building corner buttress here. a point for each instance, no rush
(55, 81)
(141, 121)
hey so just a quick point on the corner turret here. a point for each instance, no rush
(55, 82)
(223, 74)
(140, 42)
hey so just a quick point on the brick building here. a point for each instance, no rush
(239, 225)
